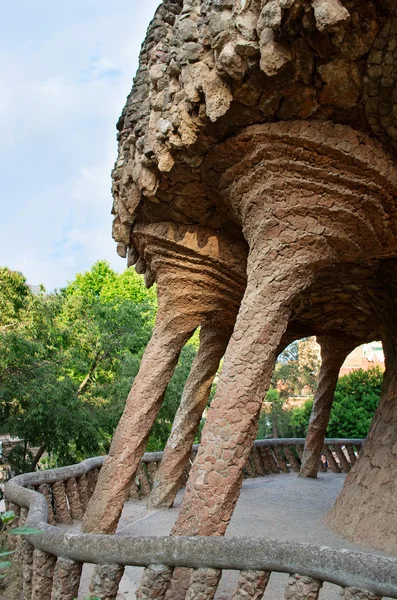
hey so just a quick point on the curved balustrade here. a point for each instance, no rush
(52, 560)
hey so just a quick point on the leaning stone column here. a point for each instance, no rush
(365, 510)
(188, 298)
(214, 338)
(129, 441)
(232, 419)
(333, 355)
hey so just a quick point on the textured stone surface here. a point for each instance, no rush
(72, 492)
(347, 568)
(213, 342)
(66, 580)
(302, 588)
(154, 582)
(254, 162)
(187, 299)
(356, 594)
(251, 585)
(105, 581)
(203, 584)
(333, 354)
(366, 508)
(46, 491)
(43, 573)
(62, 512)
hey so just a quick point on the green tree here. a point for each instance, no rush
(357, 396)
(68, 362)
(14, 294)
(356, 399)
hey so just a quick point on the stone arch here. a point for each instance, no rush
(250, 131)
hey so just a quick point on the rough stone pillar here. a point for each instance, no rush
(62, 512)
(232, 419)
(251, 585)
(365, 511)
(188, 297)
(154, 582)
(129, 441)
(72, 491)
(105, 581)
(214, 338)
(302, 588)
(203, 584)
(66, 579)
(333, 355)
(43, 573)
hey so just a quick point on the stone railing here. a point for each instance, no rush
(280, 455)
(52, 560)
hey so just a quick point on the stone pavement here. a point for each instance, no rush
(282, 507)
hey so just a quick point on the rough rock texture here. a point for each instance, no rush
(43, 572)
(66, 579)
(356, 594)
(214, 338)
(105, 581)
(256, 161)
(251, 585)
(154, 582)
(366, 508)
(188, 297)
(203, 584)
(302, 588)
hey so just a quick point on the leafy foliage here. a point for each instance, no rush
(356, 399)
(357, 396)
(6, 518)
(67, 362)
(296, 369)
(13, 296)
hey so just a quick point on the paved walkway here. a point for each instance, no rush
(282, 507)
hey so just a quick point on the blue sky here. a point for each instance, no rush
(65, 71)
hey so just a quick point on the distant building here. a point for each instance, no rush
(364, 357)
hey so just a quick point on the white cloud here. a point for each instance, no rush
(65, 70)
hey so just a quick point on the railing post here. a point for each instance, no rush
(62, 512)
(343, 463)
(84, 494)
(251, 585)
(294, 464)
(23, 560)
(72, 491)
(332, 464)
(105, 581)
(44, 489)
(249, 469)
(144, 481)
(203, 584)
(257, 462)
(43, 573)
(92, 478)
(27, 570)
(351, 453)
(302, 588)
(11, 539)
(282, 463)
(66, 579)
(154, 582)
